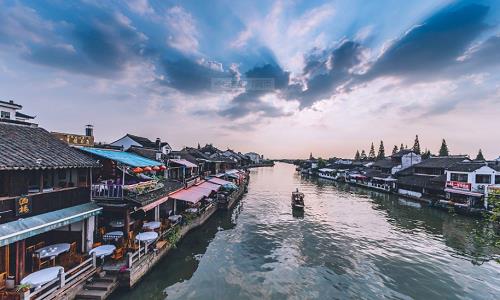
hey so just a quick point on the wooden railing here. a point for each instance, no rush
(136, 256)
(63, 281)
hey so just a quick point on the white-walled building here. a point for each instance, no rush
(254, 157)
(9, 111)
(130, 140)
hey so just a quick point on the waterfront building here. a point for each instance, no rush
(426, 180)
(45, 205)
(130, 140)
(10, 112)
(255, 158)
(468, 183)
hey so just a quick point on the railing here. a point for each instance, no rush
(107, 191)
(63, 281)
(133, 191)
(136, 256)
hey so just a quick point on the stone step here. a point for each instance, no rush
(99, 285)
(106, 278)
(91, 294)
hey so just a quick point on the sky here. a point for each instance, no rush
(282, 78)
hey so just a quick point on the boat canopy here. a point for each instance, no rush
(24, 228)
(126, 158)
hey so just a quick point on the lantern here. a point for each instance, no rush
(147, 169)
(163, 168)
(138, 170)
(156, 168)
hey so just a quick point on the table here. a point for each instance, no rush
(147, 237)
(119, 223)
(175, 218)
(152, 225)
(38, 278)
(193, 210)
(113, 235)
(102, 251)
(53, 250)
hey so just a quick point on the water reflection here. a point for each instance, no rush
(348, 243)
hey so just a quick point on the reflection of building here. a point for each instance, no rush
(468, 182)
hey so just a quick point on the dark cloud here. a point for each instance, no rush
(433, 45)
(273, 79)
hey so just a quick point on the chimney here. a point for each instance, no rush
(158, 143)
(11, 101)
(89, 130)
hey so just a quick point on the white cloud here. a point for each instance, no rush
(310, 20)
(141, 7)
(183, 34)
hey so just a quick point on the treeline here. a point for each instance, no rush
(380, 154)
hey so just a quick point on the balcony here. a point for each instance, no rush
(39, 203)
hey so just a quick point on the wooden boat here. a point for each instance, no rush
(297, 200)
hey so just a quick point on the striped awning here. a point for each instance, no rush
(24, 228)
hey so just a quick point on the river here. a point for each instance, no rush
(351, 243)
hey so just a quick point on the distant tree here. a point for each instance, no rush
(443, 151)
(395, 150)
(371, 155)
(363, 155)
(321, 163)
(402, 147)
(480, 155)
(199, 147)
(426, 154)
(311, 156)
(357, 156)
(381, 151)
(416, 145)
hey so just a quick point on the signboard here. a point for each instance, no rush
(23, 205)
(75, 139)
(459, 185)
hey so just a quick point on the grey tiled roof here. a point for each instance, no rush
(25, 147)
(472, 166)
(440, 161)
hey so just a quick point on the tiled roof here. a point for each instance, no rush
(146, 152)
(145, 142)
(472, 166)
(440, 161)
(400, 153)
(25, 147)
(385, 163)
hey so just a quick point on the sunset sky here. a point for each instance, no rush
(343, 73)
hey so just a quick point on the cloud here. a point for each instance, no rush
(141, 7)
(310, 20)
(183, 34)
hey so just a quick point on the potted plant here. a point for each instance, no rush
(23, 288)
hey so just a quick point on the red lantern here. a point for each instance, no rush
(147, 169)
(156, 168)
(163, 168)
(138, 170)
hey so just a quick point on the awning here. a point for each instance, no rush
(154, 204)
(126, 158)
(209, 185)
(463, 192)
(326, 170)
(219, 181)
(194, 194)
(184, 163)
(28, 227)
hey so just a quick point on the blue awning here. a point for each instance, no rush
(24, 228)
(126, 158)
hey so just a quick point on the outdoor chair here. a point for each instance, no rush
(117, 254)
(72, 248)
(97, 244)
(39, 264)
(3, 278)
(39, 245)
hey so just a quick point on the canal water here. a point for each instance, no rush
(350, 243)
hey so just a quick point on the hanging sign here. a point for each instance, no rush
(23, 205)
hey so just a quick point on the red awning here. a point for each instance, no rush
(209, 185)
(219, 181)
(193, 194)
(463, 192)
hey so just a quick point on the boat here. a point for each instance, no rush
(297, 200)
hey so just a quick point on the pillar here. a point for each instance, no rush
(20, 259)
(126, 222)
(157, 213)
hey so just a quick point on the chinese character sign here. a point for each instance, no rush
(23, 205)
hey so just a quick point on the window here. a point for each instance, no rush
(459, 177)
(480, 178)
(497, 179)
(5, 114)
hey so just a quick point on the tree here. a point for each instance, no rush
(381, 151)
(394, 150)
(199, 147)
(402, 147)
(357, 156)
(371, 155)
(416, 145)
(443, 151)
(363, 155)
(321, 163)
(426, 154)
(480, 155)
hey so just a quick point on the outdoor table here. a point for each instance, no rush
(175, 218)
(43, 276)
(119, 223)
(53, 250)
(192, 210)
(152, 225)
(113, 235)
(102, 251)
(147, 237)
